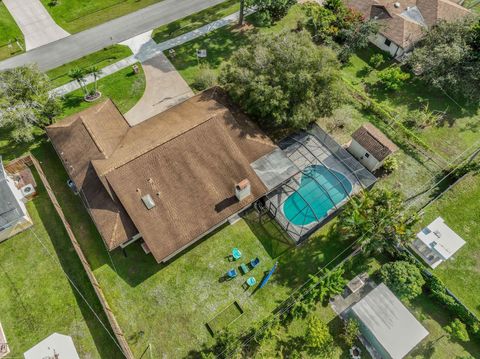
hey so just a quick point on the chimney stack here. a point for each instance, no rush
(243, 189)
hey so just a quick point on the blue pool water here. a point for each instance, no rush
(322, 189)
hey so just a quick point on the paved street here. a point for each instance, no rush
(35, 22)
(83, 43)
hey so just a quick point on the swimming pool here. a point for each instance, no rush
(319, 191)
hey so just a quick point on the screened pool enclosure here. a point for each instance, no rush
(326, 179)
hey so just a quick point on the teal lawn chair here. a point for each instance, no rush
(236, 254)
(251, 281)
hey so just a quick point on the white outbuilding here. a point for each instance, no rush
(437, 242)
(370, 146)
(56, 346)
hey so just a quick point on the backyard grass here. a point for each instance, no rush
(195, 21)
(9, 33)
(457, 132)
(36, 299)
(107, 56)
(168, 306)
(78, 15)
(124, 88)
(460, 208)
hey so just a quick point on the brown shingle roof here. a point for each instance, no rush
(81, 138)
(400, 28)
(188, 159)
(374, 141)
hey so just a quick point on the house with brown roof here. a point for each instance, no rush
(403, 22)
(169, 180)
(370, 146)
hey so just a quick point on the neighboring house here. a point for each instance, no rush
(387, 325)
(4, 348)
(14, 217)
(56, 346)
(402, 23)
(170, 179)
(437, 242)
(370, 146)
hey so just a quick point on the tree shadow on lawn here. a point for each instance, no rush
(73, 268)
(427, 307)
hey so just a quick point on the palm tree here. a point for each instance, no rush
(78, 75)
(95, 72)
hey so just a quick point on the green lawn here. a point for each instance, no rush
(195, 21)
(178, 299)
(220, 45)
(457, 132)
(78, 15)
(9, 33)
(36, 299)
(460, 208)
(123, 87)
(107, 56)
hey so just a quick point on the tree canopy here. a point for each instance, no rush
(449, 58)
(270, 11)
(25, 101)
(284, 80)
(336, 23)
(377, 219)
(318, 338)
(404, 278)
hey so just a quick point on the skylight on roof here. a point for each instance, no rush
(148, 201)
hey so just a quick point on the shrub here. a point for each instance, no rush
(458, 330)
(318, 338)
(393, 77)
(404, 278)
(390, 164)
(350, 332)
(377, 60)
(205, 78)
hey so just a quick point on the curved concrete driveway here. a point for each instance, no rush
(164, 88)
(35, 22)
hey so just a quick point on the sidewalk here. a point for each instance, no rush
(145, 48)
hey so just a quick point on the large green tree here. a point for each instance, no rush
(449, 58)
(270, 11)
(377, 220)
(284, 80)
(26, 102)
(404, 278)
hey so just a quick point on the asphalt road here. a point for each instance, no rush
(83, 43)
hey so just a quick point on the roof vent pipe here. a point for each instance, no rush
(243, 189)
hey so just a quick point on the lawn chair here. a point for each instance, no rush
(236, 254)
(251, 281)
(254, 262)
(244, 268)
(232, 273)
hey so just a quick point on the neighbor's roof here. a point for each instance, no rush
(404, 25)
(441, 238)
(374, 141)
(389, 321)
(188, 159)
(55, 344)
(10, 210)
